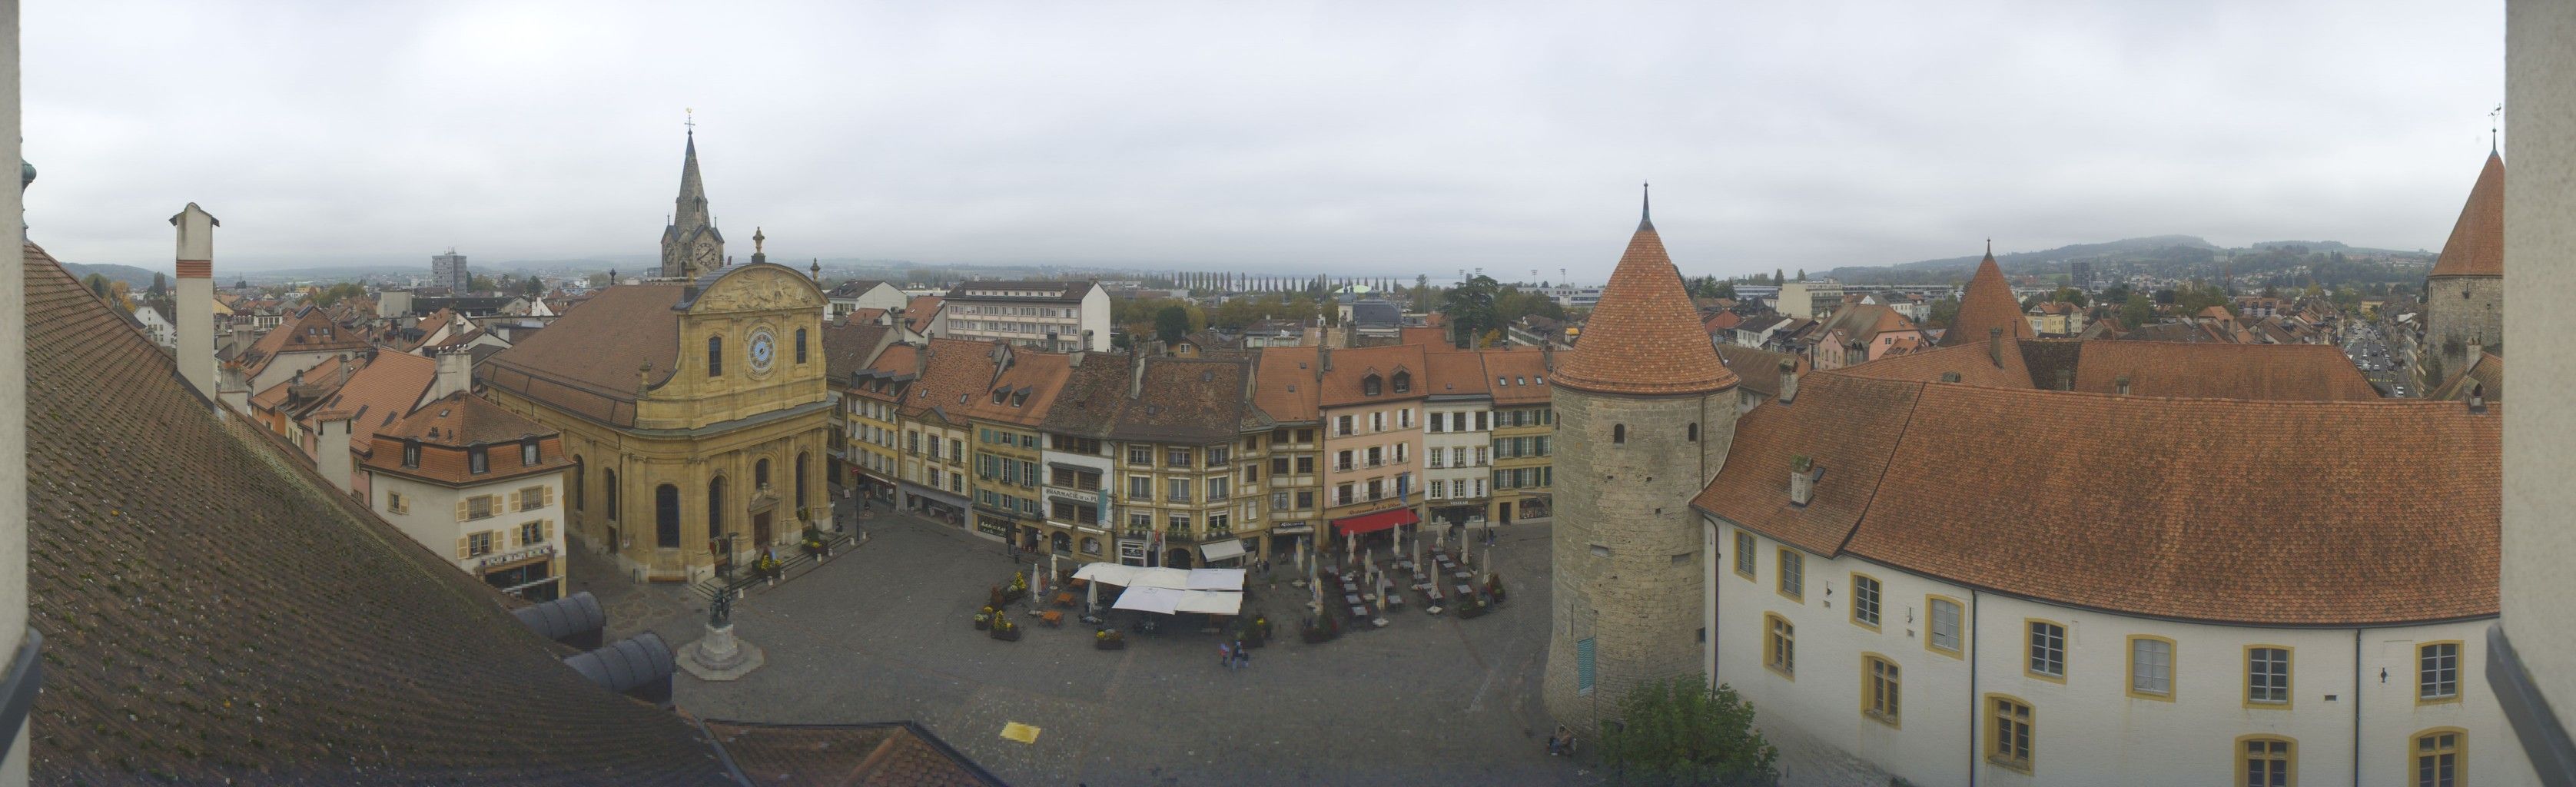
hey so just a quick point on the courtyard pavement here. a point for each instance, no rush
(885, 633)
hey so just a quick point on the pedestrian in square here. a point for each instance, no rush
(1242, 655)
(1224, 655)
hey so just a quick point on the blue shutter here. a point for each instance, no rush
(1583, 666)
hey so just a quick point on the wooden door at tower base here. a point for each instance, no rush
(760, 529)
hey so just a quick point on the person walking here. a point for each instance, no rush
(1224, 655)
(1242, 655)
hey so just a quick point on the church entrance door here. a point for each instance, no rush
(760, 530)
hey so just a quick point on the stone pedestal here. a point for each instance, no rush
(720, 656)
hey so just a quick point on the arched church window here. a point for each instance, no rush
(715, 356)
(800, 345)
(1618, 433)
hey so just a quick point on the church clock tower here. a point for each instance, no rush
(691, 245)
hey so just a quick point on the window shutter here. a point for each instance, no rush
(514, 501)
(546, 530)
(460, 508)
(463, 544)
(548, 498)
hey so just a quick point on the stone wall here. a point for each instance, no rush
(2461, 312)
(1628, 552)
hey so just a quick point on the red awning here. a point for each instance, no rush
(1371, 523)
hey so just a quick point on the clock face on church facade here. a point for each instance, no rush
(764, 348)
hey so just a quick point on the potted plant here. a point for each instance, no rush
(1320, 629)
(1005, 630)
(815, 545)
(1494, 587)
(1019, 588)
(993, 597)
(983, 618)
(768, 566)
(1109, 639)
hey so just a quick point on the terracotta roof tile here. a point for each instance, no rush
(847, 345)
(1187, 400)
(846, 755)
(1451, 372)
(1643, 337)
(2476, 247)
(295, 638)
(1342, 383)
(1987, 303)
(1758, 370)
(1285, 386)
(386, 389)
(2138, 505)
(2485, 378)
(1519, 375)
(1973, 362)
(585, 361)
(2273, 372)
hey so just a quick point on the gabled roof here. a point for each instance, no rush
(854, 288)
(918, 312)
(1343, 383)
(2271, 372)
(1519, 375)
(450, 425)
(2136, 505)
(380, 393)
(585, 362)
(2484, 377)
(2476, 247)
(1757, 370)
(1643, 337)
(308, 331)
(847, 345)
(1456, 373)
(1987, 304)
(236, 619)
(1974, 362)
(1286, 386)
(1193, 400)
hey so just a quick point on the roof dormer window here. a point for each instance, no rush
(1371, 385)
(411, 453)
(1403, 382)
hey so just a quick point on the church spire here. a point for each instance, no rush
(691, 244)
(1646, 213)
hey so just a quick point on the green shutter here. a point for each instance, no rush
(1583, 666)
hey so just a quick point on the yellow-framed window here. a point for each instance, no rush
(1946, 626)
(1780, 645)
(1867, 595)
(1793, 574)
(2010, 732)
(2045, 643)
(2440, 756)
(2151, 667)
(2267, 676)
(2437, 672)
(2266, 761)
(1881, 689)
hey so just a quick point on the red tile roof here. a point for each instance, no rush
(1519, 375)
(448, 427)
(1342, 384)
(380, 393)
(1285, 384)
(1973, 362)
(300, 640)
(1644, 338)
(2137, 505)
(2476, 247)
(2272, 372)
(585, 362)
(1987, 303)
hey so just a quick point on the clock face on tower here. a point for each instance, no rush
(706, 256)
(764, 347)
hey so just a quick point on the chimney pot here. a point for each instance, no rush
(1788, 381)
(2478, 398)
(1995, 346)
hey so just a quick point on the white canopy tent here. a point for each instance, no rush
(1213, 591)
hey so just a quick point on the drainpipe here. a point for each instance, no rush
(1976, 703)
(2356, 707)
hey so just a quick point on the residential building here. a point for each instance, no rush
(1812, 300)
(1520, 466)
(1054, 316)
(851, 296)
(1190, 461)
(289, 349)
(1286, 390)
(448, 270)
(1005, 413)
(157, 326)
(1081, 494)
(466, 478)
(1457, 435)
(931, 479)
(1861, 333)
(873, 424)
(850, 348)
(1370, 400)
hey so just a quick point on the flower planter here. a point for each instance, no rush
(1472, 611)
(1009, 596)
(982, 623)
(1011, 634)
(1109, 644)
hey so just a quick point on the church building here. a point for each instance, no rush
(692, 405)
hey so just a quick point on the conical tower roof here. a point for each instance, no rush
(1988, 303)
(1644, 338)
(2476, 247)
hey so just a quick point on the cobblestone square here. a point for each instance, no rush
(886, 633)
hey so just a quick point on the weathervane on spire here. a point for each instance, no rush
(692, 122)
(2494, 123)
(1646, 214)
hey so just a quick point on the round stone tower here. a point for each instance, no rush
(2464, 295)
(1644, 413)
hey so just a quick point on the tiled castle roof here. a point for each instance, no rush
(213, 612)
(1987, 304)
(2476, 247)
(1644, 338)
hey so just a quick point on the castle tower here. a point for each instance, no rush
(1644, 414)
(690, 244)
(1986, 304)
(2464, 295)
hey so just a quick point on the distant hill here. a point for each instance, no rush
(2170, 257)
(139, 278)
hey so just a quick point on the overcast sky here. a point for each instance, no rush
(1361, 137)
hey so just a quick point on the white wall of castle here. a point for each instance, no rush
(2088, 728)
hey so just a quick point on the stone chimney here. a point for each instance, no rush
(1995, 346)
(1788, 381)
(1136, 375)
(1802, 480)
(331, 450)
(196, 298)
(455, 373)
(1324, 358)
(2124, 385)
